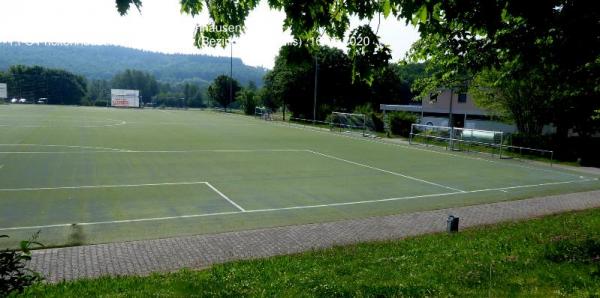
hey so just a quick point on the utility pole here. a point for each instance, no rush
(450, 124)
(230, 75)
(315, 93)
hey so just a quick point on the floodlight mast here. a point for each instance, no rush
(230, 75)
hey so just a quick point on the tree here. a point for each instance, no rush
(137, 80)
(391, 86)
(98, 91)
(58, 86)
(248, 98)
(192, 95)
(556, 42)
(224, 90)
(523, 100)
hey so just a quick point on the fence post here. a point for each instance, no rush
(501, 141)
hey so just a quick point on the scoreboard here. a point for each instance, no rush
(125, 98)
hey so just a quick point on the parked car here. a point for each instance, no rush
(14, 100)
(22, 100)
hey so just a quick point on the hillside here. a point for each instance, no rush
(102, 62)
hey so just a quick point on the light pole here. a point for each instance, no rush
(230, 75)
(315, 92)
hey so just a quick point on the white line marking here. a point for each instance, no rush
(57, 152)
(412, 147)
(385, 171)
(225, 197)
(101, 186)
(121, 221)
(64, 146)
(295, 207)
(116, 150)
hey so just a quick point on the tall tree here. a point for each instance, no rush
(58, 86)
(248, 98)
(224, 90)
(98, 91)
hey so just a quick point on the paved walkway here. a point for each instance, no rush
(163, 255)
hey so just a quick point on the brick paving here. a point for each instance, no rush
(164, 255)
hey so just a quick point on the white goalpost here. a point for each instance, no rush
(474, 140)
(457, 138)
(263, 113)
(351, 123)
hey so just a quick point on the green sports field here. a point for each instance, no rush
(92, 175)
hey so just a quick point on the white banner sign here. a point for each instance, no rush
(125, 98)
(3, 91)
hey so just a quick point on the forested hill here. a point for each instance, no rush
(103, 62)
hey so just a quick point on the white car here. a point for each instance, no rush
(22, 100)
(14, 100)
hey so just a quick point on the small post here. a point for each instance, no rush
(501, 141)
(452, 224)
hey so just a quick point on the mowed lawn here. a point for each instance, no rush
(137, 174)
(549, 257)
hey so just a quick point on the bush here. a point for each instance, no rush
(570, 149)
(400, 123)
(375, 118)
(14, 277)
(247, 101)
(100, 103)
(574, 250)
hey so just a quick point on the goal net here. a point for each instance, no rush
(263, 113)
(457, 138)
(352, 123)
(496, 143)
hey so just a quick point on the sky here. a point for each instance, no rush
(161, 27)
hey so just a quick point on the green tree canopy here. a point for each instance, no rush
(32, 83)
(292, 82)
(224, 90)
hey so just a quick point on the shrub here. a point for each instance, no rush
(400, 123)
(574, 250)
(100, 103)
(14, 277)
(376, 119)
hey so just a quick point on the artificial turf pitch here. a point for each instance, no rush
(92, 175)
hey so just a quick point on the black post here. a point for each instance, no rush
(452, 224)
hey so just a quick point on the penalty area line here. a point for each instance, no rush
(225, 197)
(99, 186)
(384, 171)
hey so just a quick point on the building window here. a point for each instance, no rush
(433, 97)
(462, 98)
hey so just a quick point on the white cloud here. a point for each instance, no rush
(159, 27)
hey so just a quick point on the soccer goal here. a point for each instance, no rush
(457, 138)
(496, 143)
(263, 113)
(351, 123)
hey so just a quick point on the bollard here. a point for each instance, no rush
(452, 224)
